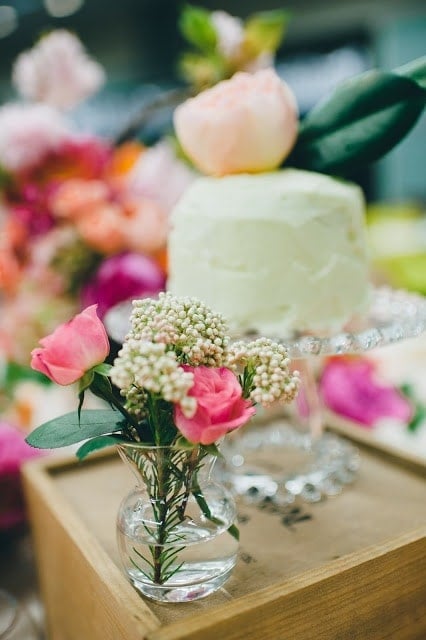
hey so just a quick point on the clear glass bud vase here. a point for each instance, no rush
(176, 533)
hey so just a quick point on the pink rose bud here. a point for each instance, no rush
(72, 349)
(246, 124)
(220, 405)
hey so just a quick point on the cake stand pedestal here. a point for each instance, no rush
(281, 456)
(278, 457)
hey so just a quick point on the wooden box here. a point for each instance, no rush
(351, 567)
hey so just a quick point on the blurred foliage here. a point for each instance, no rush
(245, 42)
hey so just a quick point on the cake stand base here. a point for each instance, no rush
(280, 462)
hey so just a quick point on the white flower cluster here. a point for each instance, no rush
(267, 365)
(146, 366)
(197, 334)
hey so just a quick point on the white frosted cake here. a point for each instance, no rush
(274, 252)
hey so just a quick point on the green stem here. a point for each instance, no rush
(162, 513)
(103, 392)
(194, 459)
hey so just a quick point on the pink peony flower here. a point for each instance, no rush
(122, 277)
(144, 226)
(28, 133)
(246, 124)
(13, 452)
(349, 387)
(57, 71)
(102, 228)
(74, 197)
(160, 176)
(220, 405)
(72, 349)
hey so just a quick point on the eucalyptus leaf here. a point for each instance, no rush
(95, 444)
(362, 120)
(196, 26)
(69, 429)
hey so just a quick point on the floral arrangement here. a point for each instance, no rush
(176, 388)
(180, 379)
(82, 219)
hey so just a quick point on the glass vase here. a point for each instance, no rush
(176, 533)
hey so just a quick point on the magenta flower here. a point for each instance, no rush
(122, 277)
(349, 387)
(72, 349)
(220, 405)
(13, 452)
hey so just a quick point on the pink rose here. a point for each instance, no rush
(350, 388)
(72, 349)
(246, 124)
(220, 405)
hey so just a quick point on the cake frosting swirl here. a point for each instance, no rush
(275, 252)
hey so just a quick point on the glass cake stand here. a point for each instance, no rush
(280, 457)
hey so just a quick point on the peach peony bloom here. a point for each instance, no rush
(72, 349)
(74, 198)
(103, 228)
(246, 124)
(145, 226)
(220, 405)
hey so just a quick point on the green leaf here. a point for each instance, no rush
(85, 382)
(415, 70)
(418, 418)
(212, 449)
(101, 387)
(362, 120)
(68, 429)
(265, 31)
(102, 369)
(100, 442)
(196, 26)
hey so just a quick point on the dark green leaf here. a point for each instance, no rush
(265, 31)
(196, 26)
(362, 120)
(415, 70)
(418, 418)
(80, 403)
(100, 442)
(101, 387)
(68, 429)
